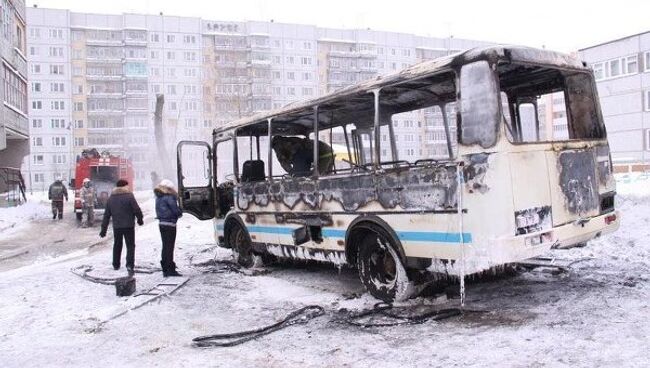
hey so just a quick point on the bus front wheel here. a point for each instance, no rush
(381, 269)
(242, 248)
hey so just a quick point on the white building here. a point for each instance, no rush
(111, 67)
(622, 71)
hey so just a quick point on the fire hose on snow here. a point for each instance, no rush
(305, 314)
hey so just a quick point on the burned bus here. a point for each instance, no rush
(521, 165)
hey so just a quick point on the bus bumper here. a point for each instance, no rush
(479, 257)
(563, 236)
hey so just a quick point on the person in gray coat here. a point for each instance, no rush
(124, 209)
(56, 194)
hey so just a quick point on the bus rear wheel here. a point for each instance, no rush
(381, 269)
(242, 248)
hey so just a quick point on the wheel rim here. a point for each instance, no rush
(383, 267)
(242, 249)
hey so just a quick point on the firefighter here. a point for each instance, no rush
(167, 213)
(296, 155)
(56, 193)
(88, 198)
(124, 210)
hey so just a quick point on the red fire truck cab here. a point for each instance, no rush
(103, 170)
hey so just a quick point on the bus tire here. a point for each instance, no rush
(79, 216)
(242, 247)
(381, 270)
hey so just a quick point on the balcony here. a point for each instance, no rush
(233, 80)
(260, 63)
(104, 77)
(236, 48)
(134, 92)
(106, 112)
(104, 59)
(135, 42)
(104, 42)
(113, 95)
(16, 126)
(136, 76)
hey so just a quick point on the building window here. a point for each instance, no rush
(57, 123)
(56, 33)
(79, 141)
(171, 55)
(171, 38)
(37, 141)
(57, 105)
(36, 87)
(646, 99)
(56, 51)
(58, 141)
(15, 90)
(189, 39)
(57, 87)
(616, 67)
(58, 159)
(291, 75)
(79, 124)
(34, 33)
(38, 159)
(78, 106)
(36, 68)
(189, 56)
(56, 69)
(37, 123)
(647, 139)
(305, 60)
(599, 72)
(155, 37)
(37, 105)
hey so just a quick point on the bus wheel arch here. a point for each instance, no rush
(379, 257)
(359, 227)
(237, 238)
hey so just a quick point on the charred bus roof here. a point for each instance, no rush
(352, 102)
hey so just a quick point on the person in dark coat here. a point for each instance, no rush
(167, 213)
(56, 193)
(124, 210)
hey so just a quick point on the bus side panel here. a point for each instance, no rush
(488, 200)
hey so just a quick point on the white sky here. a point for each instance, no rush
(563, 25)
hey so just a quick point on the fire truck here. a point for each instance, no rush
(103, 169)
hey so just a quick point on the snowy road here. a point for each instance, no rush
(595, 316)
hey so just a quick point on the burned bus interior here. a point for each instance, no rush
(526, 89)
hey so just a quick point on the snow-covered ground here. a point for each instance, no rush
(595, 316)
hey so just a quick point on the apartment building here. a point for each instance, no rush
(622, 71)
(210, 72)
(14, 130)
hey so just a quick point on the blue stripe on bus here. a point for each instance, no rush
(433, 236)
(423, 236)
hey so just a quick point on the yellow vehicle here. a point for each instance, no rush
(515, 179)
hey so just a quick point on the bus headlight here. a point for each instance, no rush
(533, 220)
